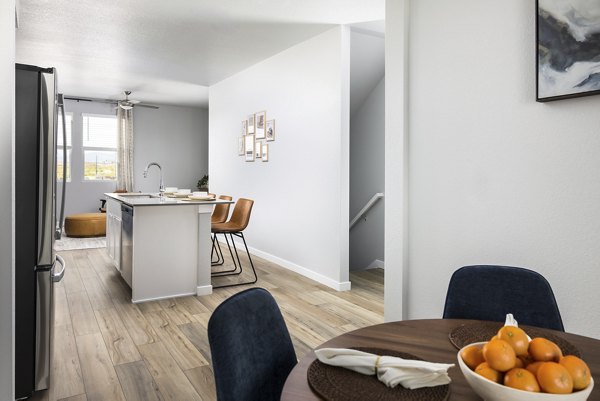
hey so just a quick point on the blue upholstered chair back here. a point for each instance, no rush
(252, 352)
(490, 292)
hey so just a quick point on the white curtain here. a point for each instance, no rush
(125, 150)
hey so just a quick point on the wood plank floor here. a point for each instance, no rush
(106, 348)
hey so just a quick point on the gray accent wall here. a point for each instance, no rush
(83, 196)
(367, 177)
(177, 139)
(173, 136)
(7, 101)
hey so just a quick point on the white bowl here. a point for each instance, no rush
(184, 191)
(196, 193)
(490, 391)
(171, 189)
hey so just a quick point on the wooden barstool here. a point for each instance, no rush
(235, 226)
(219, 215)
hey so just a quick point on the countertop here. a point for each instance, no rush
(152, 199)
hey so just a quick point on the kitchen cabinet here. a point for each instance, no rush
(164, 244)
(113, 231)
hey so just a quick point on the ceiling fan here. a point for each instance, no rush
(127, 104)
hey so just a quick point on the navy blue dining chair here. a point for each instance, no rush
(252, 352)
(490, 292)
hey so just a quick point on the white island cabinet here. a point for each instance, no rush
(164, 245)
(113, 231)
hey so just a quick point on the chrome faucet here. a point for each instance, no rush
(161, 188)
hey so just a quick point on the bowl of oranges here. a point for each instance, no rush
(511, 366)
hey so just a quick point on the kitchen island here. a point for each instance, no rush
(161, 246)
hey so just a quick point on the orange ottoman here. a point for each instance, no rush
(86, 225)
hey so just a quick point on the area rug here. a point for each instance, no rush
(70, 243)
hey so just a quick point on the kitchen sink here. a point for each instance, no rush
(138, 196)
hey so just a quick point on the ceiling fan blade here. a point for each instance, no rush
(115, 102)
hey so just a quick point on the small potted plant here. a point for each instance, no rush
(203, 184)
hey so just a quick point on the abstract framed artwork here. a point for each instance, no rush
(244, 127)
(249, 147)
(261, 120)
(568, 49)
(270, 130)
(265, 152)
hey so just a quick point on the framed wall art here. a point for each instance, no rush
(568, 49)
(270, 130)
(258, 149)
(244, 127)
(249, 147)
(250, 126)
(261, 121)
(265, 152)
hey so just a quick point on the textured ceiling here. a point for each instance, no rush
(169, 52)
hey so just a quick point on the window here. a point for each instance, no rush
(60, 147)
(99, 147)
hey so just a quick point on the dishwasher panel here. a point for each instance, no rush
(126, 243)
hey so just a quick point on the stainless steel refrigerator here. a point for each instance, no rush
(37, 266)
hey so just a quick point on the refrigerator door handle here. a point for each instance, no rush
(46, 173)
(56, 277)
(60, 222)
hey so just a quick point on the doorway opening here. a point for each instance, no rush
(367, 150)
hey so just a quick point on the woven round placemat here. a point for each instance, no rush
(477, 332)
(333, 383)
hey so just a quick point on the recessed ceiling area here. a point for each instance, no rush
(168, 52)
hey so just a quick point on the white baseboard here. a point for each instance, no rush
(185, 294)
(336, 285)
(204, 290)
(376, 264)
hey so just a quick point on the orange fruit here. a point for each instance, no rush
(578, 370)
(516, 337)
(472, 356)
(484, 370)
(521, 379)
(533, 367)
(519, 363)
(499, 355)
(526, 359)
(554, 378)
(544, 350)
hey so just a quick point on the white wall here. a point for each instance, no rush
(7, 101)
(396, 159)
(175, 137)
(367, 177)
(496, 178)
(300, 215)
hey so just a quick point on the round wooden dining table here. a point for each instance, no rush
(429, 340)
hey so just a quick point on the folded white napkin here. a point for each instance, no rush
(390, 370)
(510, 320)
